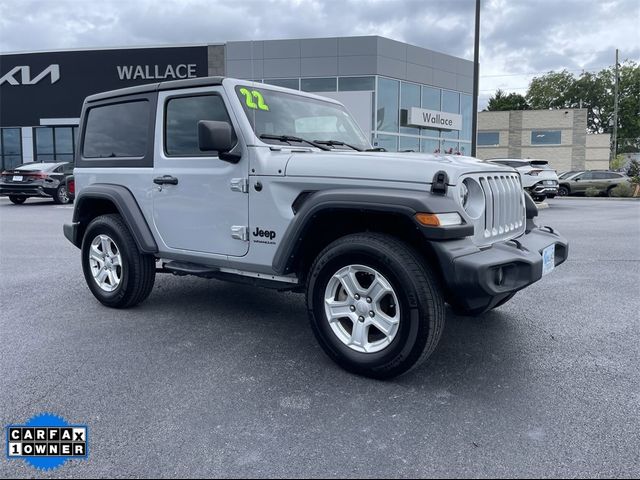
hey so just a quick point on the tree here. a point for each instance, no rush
(513, 101)
(595, 91)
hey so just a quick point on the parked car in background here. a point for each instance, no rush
(562, 175)
(538, 178)
(602, 180)
(71, 187)
(36, 179)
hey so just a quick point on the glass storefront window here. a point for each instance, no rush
(10, 148)
(451, 104)
(431, 98)
(64, 140)
(409, 144)
(388, 106)
(293, 83)
(44, 144)
(318, 84)
(388, 142)
(450, 148)
(431, 101)
(409, 97)
(350, 84)
(55, 144)
(429, 146)
(465, 148)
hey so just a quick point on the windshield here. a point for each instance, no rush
(287, 114)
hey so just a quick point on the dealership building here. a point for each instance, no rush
(559, 136)
(404, 97)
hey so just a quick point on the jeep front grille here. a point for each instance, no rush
(504, 215)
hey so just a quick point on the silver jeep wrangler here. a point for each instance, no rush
(235, 180)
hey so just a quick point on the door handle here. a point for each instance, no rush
(165, 180)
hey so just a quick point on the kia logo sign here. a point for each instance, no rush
(21, 75)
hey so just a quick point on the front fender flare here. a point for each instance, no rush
(403, 202)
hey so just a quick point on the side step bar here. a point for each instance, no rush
(231, 274)
(186, 268)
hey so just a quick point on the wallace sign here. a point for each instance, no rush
(421, 117)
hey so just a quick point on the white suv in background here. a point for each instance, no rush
(538, 178)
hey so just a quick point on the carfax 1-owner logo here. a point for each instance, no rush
(47, 441)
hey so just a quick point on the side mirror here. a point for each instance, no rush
(214, 136)
(576, 179)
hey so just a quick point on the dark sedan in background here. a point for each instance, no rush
(37, 179)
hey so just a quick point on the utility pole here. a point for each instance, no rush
(614, 142)
(476, 76)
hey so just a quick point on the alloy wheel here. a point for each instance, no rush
(362, 308)
(105, 262)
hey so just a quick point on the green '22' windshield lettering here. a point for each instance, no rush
(253, 96)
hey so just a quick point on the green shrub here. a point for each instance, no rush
(622, 190)
(592, 192)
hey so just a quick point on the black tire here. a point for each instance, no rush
(421, 314)
(609, 190)
(61, 197)
(138, 271)
(563, 191)
(17, 199)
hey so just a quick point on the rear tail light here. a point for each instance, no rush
(535, 173)
(71, 186)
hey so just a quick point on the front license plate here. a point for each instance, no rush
(17, 178)
(548, 259)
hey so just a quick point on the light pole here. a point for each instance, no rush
(614, 143)
(476, 72)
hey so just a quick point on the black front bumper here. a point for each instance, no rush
(478, 279)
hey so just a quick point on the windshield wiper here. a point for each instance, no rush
(376, 149)
(290, 138)
(337, 143)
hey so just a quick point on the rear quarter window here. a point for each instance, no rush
(117, 130)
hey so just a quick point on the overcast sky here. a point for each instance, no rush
(519, 38)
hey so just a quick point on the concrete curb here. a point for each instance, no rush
(632, 199)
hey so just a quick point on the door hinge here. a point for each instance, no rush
(240, 232)
(240, 185)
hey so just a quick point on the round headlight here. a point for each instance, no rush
(464, 194)
(472, 198)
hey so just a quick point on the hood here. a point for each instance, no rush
(391, 166)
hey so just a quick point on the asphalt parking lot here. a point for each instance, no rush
(213, 379)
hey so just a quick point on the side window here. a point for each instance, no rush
(67, 168)
(118, 130)
(181, 122)
(585, 176)
(58, 169)
(600, 175)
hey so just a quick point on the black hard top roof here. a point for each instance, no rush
(153, 87)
